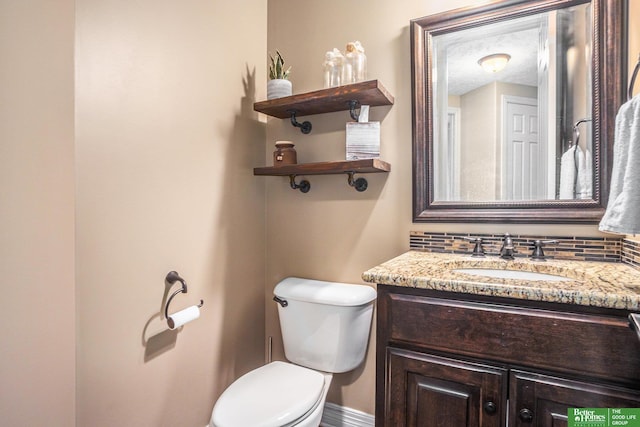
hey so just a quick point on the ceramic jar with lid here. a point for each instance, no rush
(285, 154)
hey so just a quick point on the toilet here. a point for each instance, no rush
(325, 329)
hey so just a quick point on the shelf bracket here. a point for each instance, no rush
(353, 104)
(359, 184)
(304, 185)
(305, 127)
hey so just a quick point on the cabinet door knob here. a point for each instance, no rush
(526, 415)
(490, 407)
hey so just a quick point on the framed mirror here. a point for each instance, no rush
(514, 106)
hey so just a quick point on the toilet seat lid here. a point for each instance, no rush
(276, 394)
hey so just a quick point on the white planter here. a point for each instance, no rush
(278, 88)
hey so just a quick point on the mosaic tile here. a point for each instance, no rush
(570, 248)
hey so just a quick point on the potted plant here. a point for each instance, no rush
(278, 84)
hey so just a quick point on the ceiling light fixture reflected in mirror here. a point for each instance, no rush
(494, 63)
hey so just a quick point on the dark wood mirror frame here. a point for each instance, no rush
(609, 66)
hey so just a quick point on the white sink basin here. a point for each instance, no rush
(510, 274)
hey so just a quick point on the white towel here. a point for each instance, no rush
(623, 210)
(584, 183)
(568, 174)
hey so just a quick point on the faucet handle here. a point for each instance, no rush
(507, 243)
(538, 253)
(478, 250)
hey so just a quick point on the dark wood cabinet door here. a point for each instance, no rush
(542, 401)
(427, 390)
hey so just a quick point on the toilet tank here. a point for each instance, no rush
(325, 325)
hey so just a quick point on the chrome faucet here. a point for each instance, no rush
(507, 250)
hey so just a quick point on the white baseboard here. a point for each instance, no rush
(340, 416)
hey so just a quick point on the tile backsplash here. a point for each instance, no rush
(631, 253)
(609, 249)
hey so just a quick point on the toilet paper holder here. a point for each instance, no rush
(172, 278)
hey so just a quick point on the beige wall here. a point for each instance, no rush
(37, 333)
(479, 144)
(166, 141)
(333, 232)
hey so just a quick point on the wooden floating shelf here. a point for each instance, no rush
(342, 98)
(326, 168)
(329, 100)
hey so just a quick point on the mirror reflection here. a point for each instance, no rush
(512, 104)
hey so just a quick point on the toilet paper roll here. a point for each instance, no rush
(183, 316)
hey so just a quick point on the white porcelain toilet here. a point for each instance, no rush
(325, 330)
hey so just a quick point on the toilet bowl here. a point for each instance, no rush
(325, 330)
(278, 394)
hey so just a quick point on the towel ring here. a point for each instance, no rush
(173, 277)
(576, 130)
(633, 79)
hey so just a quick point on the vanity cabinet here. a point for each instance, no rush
(451, 360)
(429, 390)
(545, 399)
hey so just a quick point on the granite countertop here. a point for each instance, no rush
(598, 284)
